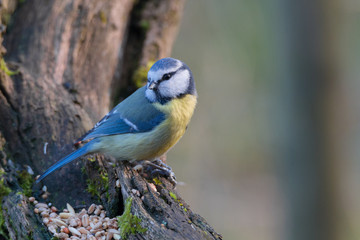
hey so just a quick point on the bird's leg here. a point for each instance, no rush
(156, 167)
(160, 168)
(160, 163)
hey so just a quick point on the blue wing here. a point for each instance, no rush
(134, 114)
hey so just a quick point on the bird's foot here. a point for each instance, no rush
(156, 168)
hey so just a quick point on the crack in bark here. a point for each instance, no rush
(4, 92)
(16, 117)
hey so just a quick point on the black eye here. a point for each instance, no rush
(166, 76)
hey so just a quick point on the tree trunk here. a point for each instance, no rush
(71, 61)
(307, 88)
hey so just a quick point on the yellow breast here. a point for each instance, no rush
(178, 112)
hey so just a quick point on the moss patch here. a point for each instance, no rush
(183, 208)
(26, 181)
(129, 223)
(5, 69)
(173, 195)
(3, 231)
(92, 188)
(4, 191)
(157, 181)
(140, 75)
(103, 17)
(96, 186)
(144, 24)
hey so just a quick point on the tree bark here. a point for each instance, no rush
(75, 59)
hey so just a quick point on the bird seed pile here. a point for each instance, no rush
(89, 224)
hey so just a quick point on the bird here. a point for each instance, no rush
(149, 122)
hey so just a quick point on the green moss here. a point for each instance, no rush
(96, 186)
(140, 75)
(92, 159)
(157, 181)
(145, 24)
(26, 181)
(5, 69)
(4, 191)
(3, 231)
(103, 17)
(105, 183)
(30, 236)
(129, 223)
(182, 206)
(173, 195)
(6, 18)
(92, 188)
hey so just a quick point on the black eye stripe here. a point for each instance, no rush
(167, 76)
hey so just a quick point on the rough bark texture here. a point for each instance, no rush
(163, 212)
(75, 60)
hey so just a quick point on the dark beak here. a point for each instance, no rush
(152, 85)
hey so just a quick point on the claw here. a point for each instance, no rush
(157, 168)
(159, 172)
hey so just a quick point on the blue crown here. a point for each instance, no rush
(164, 63)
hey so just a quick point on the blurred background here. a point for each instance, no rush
(273, 149)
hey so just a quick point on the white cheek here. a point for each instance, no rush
(150, 95)
(177, 85)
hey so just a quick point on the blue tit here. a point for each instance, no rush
(146, 124)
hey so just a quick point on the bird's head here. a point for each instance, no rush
(169, 78)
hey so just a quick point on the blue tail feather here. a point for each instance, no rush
(69, 158)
